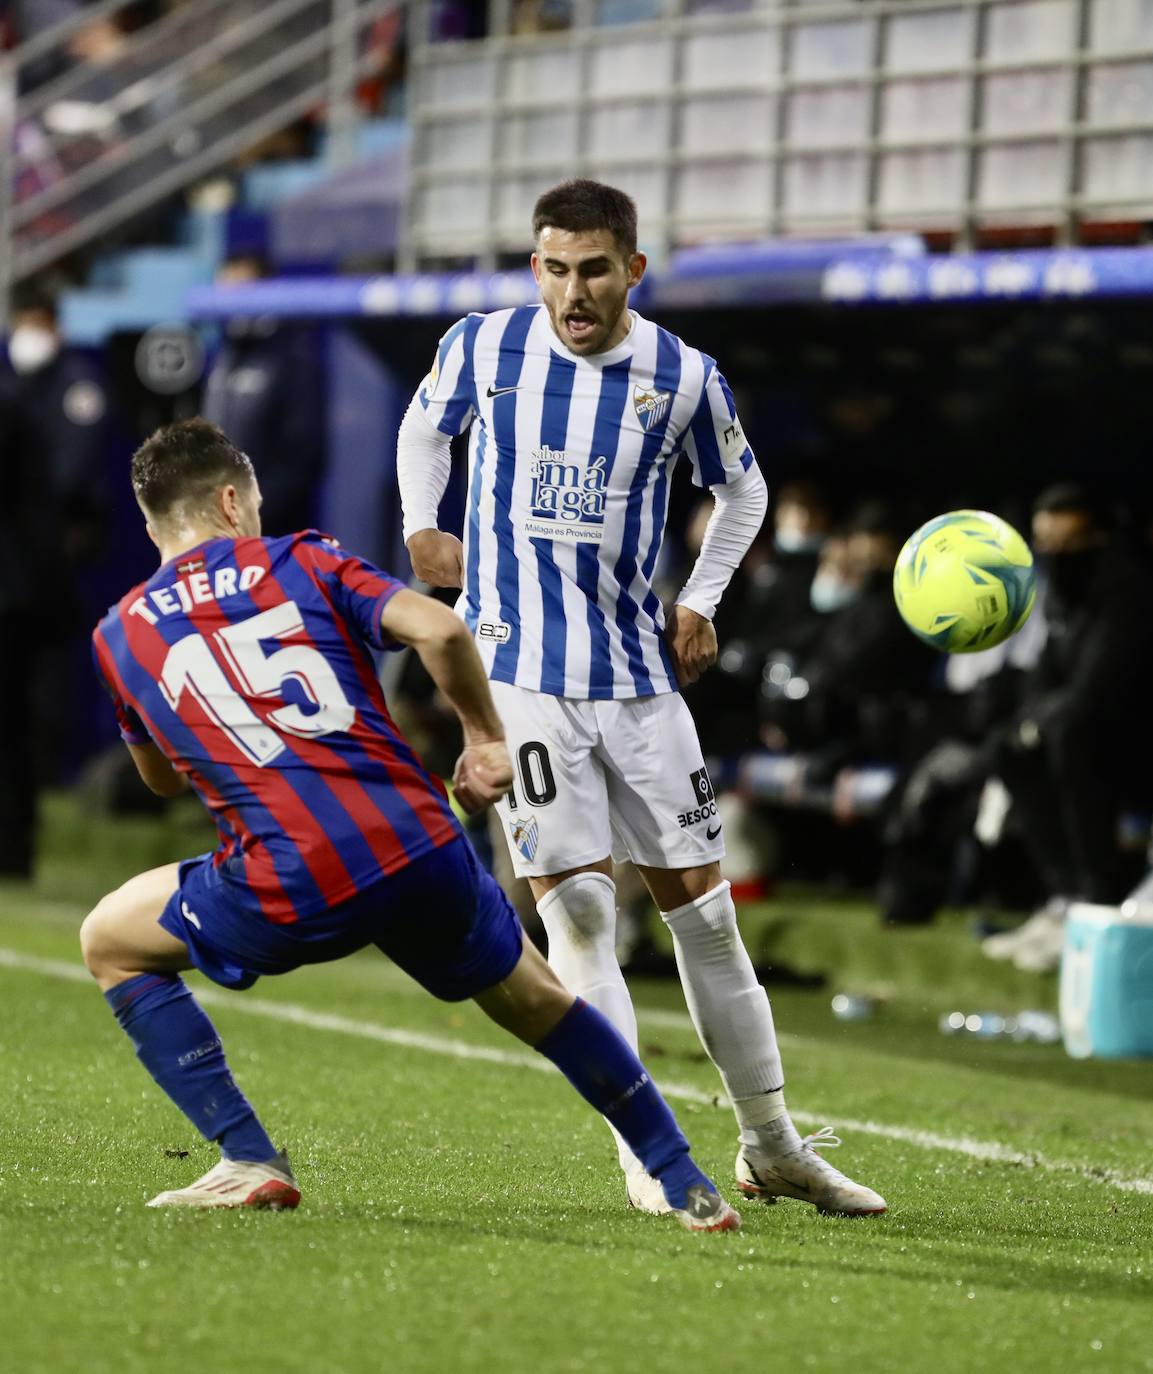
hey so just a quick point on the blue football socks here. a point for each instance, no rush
(597, 1061)
(178, 1045)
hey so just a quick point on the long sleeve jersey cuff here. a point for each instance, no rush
(737, 516)
(423, 465)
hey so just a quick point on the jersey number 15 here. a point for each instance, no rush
(191, 666)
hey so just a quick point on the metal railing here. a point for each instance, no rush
(824, 146)
(96, 144)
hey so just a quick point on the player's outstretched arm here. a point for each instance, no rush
(442, 639)
(158, 774)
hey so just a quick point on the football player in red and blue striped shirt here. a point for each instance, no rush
(243, 668)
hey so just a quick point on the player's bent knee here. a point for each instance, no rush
(92, 942)
(98, 945)
(583, 907)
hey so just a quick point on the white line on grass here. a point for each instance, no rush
(296, 1015)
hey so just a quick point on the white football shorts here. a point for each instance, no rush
(594, 779)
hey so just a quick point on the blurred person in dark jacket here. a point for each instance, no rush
(930, 828)
(62, 407)
(263, 390)
(59, 448)
(851, 695)
(18, 644)
(1079, 749)
(789, 603)
(768, 611)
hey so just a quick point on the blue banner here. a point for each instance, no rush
(1028, 274)
(893, 270)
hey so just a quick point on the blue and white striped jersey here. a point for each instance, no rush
(569, 465)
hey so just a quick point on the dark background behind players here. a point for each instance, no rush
(61, 397)
(850, 697)
(18, 632)
(767, 610)
(57, 507)
(261, 390)
(1080, 745)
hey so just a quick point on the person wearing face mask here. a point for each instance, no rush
(836, 582)
(788, 618)
(849, 697)
(1080, 748)
(59, 449)
(62, 404)
(262, 389)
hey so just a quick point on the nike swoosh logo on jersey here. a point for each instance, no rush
(500, 391)
(712, 834)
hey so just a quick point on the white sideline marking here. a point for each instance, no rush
(460, 1049)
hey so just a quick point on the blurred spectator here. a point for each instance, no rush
(850, 699)
(930, 825)
(18, 628)
(1079, 749)
(29, 18)
(264, 392)
(381, 91)
(61, 404)
(723, 701)
(58, 455)
(766, 612)
(792, 596)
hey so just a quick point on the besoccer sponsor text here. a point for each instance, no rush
(706, 807)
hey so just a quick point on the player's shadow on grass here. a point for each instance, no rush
(567, 1227)
(1004, 1257)
(995, 1261)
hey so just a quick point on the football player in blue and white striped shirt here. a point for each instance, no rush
(579, 409)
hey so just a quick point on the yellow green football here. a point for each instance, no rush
(964, 581)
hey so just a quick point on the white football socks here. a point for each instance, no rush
(729, 1008)
(580, 919)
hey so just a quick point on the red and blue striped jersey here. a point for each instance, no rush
(247, 661)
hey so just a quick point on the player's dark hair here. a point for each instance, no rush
(183, 464)
(582, 206)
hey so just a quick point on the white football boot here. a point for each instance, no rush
(796, 1170)
(1042, 954)
(706, 1210)
(238, 1183)
(1043, 930)
(645, 1193)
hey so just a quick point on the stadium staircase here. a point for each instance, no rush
(91, 150)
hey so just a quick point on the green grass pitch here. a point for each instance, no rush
(465, 1214)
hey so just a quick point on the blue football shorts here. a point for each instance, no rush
(442, 919)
